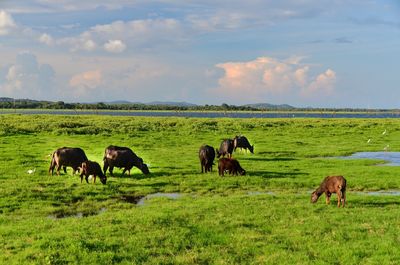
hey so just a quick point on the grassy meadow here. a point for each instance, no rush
(264, 217)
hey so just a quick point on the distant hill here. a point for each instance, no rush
(171, 103)
(270, 106)
(154, 103)
(4, 99)
(122, 102)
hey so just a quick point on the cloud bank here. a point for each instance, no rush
(270, 76)
(27, 78)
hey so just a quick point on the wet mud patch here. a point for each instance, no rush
(131, 199)
(62, 213)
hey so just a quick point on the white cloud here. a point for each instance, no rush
(115, 46)
(89, 45)
(119, 34)
(219, 21)
(324, 83)
(81, 43)
(46, 39)
(86, 82)
(270, 76)
(27, 78)
(6, 23)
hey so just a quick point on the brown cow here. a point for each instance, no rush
(331, 184)
(92, 168)
(67, 157)
(231, 165)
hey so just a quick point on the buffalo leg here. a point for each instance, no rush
(105, 166)
(111, 170)
(65, 169)
(328, 198)
(51, 169)
(339, 198)
(344, 198)
(94, 179)
(123, 171)
(58, 170)
(81, 177)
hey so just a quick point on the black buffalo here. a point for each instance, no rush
(226, 148)
(67, 157)
(242, 142)
(206, 156)
(92, 168)
(122, 157)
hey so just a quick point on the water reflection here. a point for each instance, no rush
(173, 196)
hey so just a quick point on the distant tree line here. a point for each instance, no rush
(31, 104)
(7, 103)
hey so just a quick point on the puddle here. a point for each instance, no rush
(392, 158)
(379, 193)
(173, 196)
(131, 199)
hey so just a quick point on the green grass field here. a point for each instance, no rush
(264, 217)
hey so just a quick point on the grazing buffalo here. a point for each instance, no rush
(67, 157)
(122, 157)
(331, 184)
(231, 165)
(226, 148)
(92, 168)
(206, 156)
(242, 142)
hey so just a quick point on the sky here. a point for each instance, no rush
(306, 53)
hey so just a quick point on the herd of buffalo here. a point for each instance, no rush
(229, 164)
(114, 156)
(124, 157)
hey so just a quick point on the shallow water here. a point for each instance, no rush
(392, 158)
(173, 196)
(379, 193)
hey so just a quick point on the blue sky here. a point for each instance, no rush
(315, 53)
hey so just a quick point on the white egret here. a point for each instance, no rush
(386, 147)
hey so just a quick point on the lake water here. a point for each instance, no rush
(215, 114)
(392, 158)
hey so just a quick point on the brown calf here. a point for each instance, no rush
(231, 165)
(331, 184)
(92, 168)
